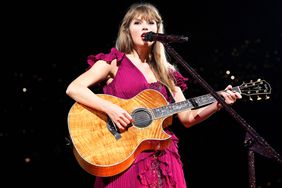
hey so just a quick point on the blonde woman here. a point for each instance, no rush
(131, 67)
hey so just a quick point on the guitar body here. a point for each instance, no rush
(102, 153)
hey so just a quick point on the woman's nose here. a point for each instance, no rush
(145, 26)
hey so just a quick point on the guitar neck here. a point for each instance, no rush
(191, 103)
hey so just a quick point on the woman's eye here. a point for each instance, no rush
(137, 23)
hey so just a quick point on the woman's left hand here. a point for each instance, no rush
(230, 96)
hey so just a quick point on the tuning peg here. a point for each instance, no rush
(250, 98)
(258, 98)
(267, 97)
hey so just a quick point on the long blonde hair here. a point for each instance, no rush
(124, 41)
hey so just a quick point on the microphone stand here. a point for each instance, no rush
(253, 141)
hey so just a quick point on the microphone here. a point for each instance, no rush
(151, 36)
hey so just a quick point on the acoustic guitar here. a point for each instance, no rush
(102, 150)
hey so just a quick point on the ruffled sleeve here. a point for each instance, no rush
(180, 80)
(114, 54)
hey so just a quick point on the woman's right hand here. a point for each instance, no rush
(120, 117)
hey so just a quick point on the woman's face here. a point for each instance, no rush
(138, 27)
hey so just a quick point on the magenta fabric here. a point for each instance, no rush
(148, 170)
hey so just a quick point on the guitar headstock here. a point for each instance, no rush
(256, 88)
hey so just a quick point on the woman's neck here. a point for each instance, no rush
(142, 54)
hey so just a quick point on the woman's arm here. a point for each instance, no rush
(79, 90)
(191, 117)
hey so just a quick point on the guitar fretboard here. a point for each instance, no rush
(195, 102)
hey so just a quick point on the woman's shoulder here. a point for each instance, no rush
(114, 54)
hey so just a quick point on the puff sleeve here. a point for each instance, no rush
(180, 80)
(114, 54)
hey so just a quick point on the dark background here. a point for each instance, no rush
(45, 45)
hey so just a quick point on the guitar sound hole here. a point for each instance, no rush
(142, 117)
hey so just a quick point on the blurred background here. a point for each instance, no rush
(45, 46)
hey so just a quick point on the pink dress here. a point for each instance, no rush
(148, 170)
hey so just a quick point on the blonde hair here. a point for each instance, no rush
(124, 41)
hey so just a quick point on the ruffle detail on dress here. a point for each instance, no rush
(150, 174)
(180, 80)
(156, 172)
(174, 147)
(156, 86)
(114, 54)
(162, 89)
(156, 167)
